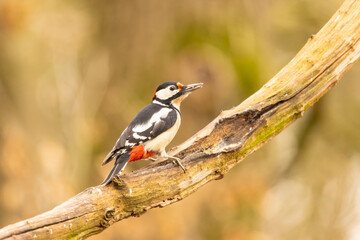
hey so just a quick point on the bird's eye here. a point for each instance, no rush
(172, 88)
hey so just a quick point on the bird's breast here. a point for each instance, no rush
(159, 143)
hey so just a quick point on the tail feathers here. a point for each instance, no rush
(119, 166)
(113, 154)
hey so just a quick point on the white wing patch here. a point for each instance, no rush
(137, 136)
(159, 143)
(160, 114)
(127, 143)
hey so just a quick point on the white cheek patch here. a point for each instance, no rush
(166, 93)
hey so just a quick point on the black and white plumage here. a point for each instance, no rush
(152, 129)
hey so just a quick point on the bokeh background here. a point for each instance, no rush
(74, 73)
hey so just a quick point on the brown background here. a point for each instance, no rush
(74, 73)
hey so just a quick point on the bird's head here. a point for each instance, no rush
(173, 93)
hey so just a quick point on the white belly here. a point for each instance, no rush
(160, 142)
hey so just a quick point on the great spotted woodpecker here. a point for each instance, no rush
(152, 129)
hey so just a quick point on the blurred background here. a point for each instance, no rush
(74, 73)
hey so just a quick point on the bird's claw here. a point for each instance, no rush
(177, 161)
(151, 159)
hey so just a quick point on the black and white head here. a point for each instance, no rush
(173, 93)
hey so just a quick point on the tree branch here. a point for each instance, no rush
(214, 150)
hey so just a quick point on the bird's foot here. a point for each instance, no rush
(176, 160)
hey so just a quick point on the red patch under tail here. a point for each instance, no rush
(138, 152)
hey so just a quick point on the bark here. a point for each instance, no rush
(223, 143)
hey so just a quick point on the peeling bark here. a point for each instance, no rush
(210, 153)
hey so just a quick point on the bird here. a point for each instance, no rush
(152, 129)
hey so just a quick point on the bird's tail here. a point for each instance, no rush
(119, 166)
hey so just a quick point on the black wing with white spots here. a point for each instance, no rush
(149, 123)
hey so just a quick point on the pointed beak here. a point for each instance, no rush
(191, 87)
